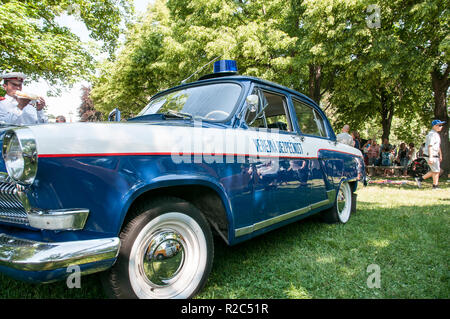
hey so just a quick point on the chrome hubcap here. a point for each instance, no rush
(164, 257)
(341, 201)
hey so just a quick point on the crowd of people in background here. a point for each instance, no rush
(390, 157)
(387, 154)
(384, 154)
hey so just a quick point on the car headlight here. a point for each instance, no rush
(20, 155)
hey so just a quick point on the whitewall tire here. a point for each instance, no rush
(166, 253)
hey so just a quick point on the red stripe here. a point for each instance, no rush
(161, 154)
(99, 154)
(326, 149)
(167, 153)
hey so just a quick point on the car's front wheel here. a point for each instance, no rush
(166, 252)
(342, 208)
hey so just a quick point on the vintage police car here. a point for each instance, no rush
(231, 154)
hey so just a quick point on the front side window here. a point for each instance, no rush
(214, 102)
(309, 120)
(271, 113)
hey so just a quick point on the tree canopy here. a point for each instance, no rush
(31, 41)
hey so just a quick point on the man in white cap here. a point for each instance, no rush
(18, 110)
(433, 153)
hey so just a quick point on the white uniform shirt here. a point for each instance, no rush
(434, 140)
(11, 114)
(345, 138)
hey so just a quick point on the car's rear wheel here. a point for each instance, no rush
(166, 252)
(342, 208)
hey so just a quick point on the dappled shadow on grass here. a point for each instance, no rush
(309, 259)
(409, 183)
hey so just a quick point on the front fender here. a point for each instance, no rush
(175, 180)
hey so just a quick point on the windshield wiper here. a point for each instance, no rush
(178, 114)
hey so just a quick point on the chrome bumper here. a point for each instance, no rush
(62, 219)
(31, 255)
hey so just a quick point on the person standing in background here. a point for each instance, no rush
(402, 157)
(412, 153)
(60, 119)
(356, 140)
(344, 137)
(433, 154)
(365, 150)
(373, 153)
(386, 154)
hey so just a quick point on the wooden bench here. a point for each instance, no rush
(373, 170)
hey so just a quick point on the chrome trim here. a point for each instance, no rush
(243, 231)
(4, 178)
(23, 198)
(268, 222)
(63, 219)
(13, 204)
(28, 255)
(320, 204)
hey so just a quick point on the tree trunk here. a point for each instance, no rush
(387, 113)
(440, 83)
(315, 75)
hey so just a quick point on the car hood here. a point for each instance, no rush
(116, 138)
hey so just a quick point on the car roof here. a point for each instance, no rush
(241, 78)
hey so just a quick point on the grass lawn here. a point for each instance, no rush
(403, 230)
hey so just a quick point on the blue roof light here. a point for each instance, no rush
(222, 66)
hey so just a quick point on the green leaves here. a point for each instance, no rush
(32, 42)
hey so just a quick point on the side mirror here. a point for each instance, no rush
(114, 115)
(252, 100)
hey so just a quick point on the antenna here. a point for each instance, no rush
(185, 80)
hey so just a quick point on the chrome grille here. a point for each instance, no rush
(11, 208)
(15, 242)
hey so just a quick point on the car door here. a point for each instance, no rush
(281, 187)
(313, 131)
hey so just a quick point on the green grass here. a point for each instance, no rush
(402, 229)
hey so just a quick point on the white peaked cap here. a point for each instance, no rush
(13, 76)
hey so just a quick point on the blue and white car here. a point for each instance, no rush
(232, 155)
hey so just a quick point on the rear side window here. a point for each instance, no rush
(309, 120)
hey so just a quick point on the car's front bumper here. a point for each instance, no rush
(48, 261)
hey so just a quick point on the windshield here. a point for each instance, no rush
(213, 102)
